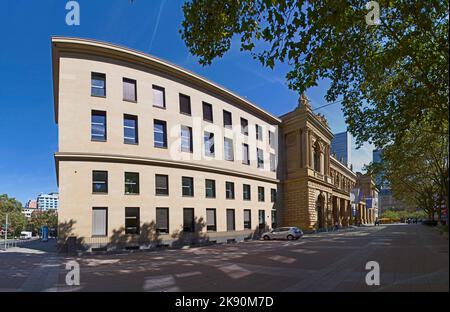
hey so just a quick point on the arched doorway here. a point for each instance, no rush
(320, 207)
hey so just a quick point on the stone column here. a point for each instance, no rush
(300, 148)
(305, 148)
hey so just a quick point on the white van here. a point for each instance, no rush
(26, 235)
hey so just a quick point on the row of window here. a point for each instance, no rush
(100, 185)
(98, 88)
(132, 220)
(130, 134)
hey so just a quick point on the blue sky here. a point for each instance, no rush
(27, 128)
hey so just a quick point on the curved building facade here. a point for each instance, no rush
(152, 154)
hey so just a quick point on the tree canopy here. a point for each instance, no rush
(387, 75)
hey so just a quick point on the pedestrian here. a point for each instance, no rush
(336, 226)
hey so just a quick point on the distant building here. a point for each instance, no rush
(368, 193)
(376, 159)
(341, 146)
(31, 204)
(28, 212)
(48, 201)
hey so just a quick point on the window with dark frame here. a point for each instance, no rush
(98, 84)
(246, 192)
(228, 149)
(129, 90)
(159, 97)
(162, 220)
(273, 164)
(211, 220)
(131, 183)
(98, 126)
(230, 220)
(229, 190)
(260, 157)
(244, 126)
(261, 193)
(130, 129)
(207, 112)
(186, 139)
(273, 195)
(160, 133)
(272, 139)
(245, 154)
(227, 120)
(185, 104)
(161, 185)
(210, 188)
(132, 220)
(188, 220)
(261, 219)
(259, 133)
(187, 184)
(247, 219)
(99, 221)
(209, 144)
(100, 182)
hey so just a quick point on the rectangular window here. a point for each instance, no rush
(209, 144)
(188, 220)
(273, 164)
(211, 220)
(210, 188)
(272, 139)
(99, 181)
(159, 97)
(229, 190)
(132, 220)
(161, 185)
(99, 221)
(131, 183)
(187, 184)
(246, 192)
(273, 195)
(245, 154)
(261, 194)
(185, 104)
(230, 220)
(261, 219)
(129, 90)
(247, 219)
(274, 219)
(130, 129)
(98, 84)
(162, 220)
(160, 133)
(227, 122)
(98, 126)
(228, 149)
(207, 112)
(186, 139)
(260, 157)
(259, 133)
(244, 126)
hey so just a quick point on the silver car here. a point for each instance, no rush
(289, 233)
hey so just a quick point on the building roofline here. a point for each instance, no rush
(342, 166)
(69, 44)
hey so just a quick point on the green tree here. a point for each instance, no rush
(43, 218)
(16, 219)
(387, 75)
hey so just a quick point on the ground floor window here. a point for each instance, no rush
(132, 220)
(230, 220)
(247, 219)
(262, 219)
(188, 220)
(99, 221)
(211, 220)
(274, 219)
(162, 220)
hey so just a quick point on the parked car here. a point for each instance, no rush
(289, 233)
(26, 235)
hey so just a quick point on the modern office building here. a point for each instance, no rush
(150, 153)
(48, 201)
(377, 158)
(341, 147)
